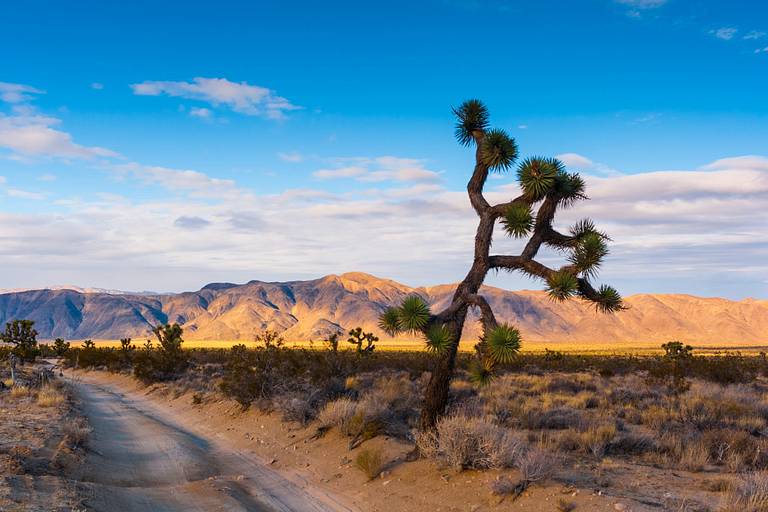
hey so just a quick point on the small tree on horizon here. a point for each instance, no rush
(23, 336)
(546, 186)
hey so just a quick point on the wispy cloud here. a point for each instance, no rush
(292, 157)
(755, 34)
(200, 112)
(244, 98)
(17, 93)
(384, 168)
(25, 194)
(724, 33)
(97, 86)
(643, 4)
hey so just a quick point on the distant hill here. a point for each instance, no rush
(305, 310)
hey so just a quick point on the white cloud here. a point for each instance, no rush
(293, 157)
(240, 97)
(755, 34)
(2, 180)
(200, 112)
(667, 226)
(24, 194)
(17, 93)
(383, 168)
(33, 135)
(97, 86)
(46, 177)
(724, 33)
(522, 126)
(575, 160)
(762, 50)
(643, 4)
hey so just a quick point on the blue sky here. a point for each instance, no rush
(147, 146)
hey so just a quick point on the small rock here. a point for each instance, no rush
(386, 483)
(620, 506)
(272, 461)
(240, 477)
(384, 474)
(445, 478)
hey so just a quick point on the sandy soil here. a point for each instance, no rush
(154, 449)
(34, 457)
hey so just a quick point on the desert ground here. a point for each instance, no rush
(581, 432)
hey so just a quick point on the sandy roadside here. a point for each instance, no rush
(232, 455)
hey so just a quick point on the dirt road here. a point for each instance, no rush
(142, 458)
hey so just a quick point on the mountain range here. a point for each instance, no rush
(304, 310)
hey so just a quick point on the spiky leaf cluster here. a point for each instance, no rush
(609, 300)
(502, 343)
(517, 220)
(569, 188)
(481, 372)
(414, 314)
(537, 176)
(562, 285)
(389, 321)
(498, 150)
(471, 116)
(584, 227)
(588, 253)
(438, 338)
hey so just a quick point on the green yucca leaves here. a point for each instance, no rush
(413, 314)
(481, 372)
(537, 176)
(503, 343)
(471, 116)
(438, 338)
(588, 253)
(562, 285)
(569, 187)
(389, 321)
(518, 220)
(499, 150)
(609, 300)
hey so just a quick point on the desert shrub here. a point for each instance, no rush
(370, 462)
(465, 442)
(504, 486)
(51, 396)
(750, 494)
(564, 505)
(76, 431)
(337, 413)
(20, 392)
(535, 465)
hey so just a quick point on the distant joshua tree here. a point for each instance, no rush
(358, 337)
(546, 186)
(23, 336)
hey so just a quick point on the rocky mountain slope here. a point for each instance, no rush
(312, 309)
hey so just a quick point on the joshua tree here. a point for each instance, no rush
(23, 336)
(545, 186)
(60, 346)
(357, 337)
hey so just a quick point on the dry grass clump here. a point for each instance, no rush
(564, 505)
(76, 431)
(370, 462)
(51, 396)
(468, 442)
(337, 413)
(19, 392)
(536, 465)
(749, 495)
